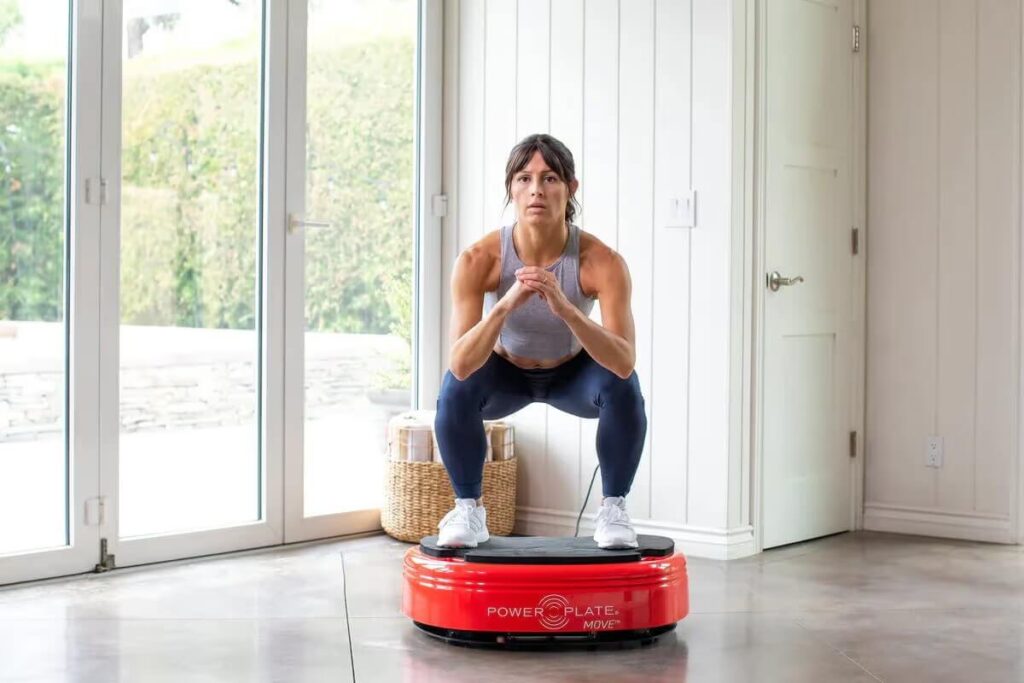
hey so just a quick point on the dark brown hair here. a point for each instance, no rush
(556, 155)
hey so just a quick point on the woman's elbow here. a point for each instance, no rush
(459, 370)
(627, 368)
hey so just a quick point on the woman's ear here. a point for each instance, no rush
(573, 186)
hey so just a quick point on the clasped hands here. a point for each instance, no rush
(547, 287)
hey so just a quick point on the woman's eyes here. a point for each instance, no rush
(550, 178)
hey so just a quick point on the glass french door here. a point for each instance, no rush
(212, 284)
(186, 468)
(49, 515)
(350, 245)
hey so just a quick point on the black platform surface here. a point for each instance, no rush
(544, 550)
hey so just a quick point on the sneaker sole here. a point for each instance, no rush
(468, 544)
(471, 544)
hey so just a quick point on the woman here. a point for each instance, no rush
(536, 282)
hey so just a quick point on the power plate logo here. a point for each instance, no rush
(554, 611)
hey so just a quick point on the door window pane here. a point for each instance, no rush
(358, 272)
(189, 341)
(33, 153)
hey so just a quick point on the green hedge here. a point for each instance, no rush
(190, 185)
(31, 192)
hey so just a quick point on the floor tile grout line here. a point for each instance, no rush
(836, 649)
(859, 666)
(348, 623)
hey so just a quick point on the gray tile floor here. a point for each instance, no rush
(855, 607)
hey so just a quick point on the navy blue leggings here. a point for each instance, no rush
(579, 386)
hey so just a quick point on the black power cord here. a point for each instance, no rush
(589, 489)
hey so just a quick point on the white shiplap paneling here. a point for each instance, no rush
(599, 172)
(566, 117)
(668, 408)
(636, 201)
(531, 107)
(998, 187)
(708, 441)
(622, 94)
(902, 278)
(943, 266)
(955, 253)
(471, 213)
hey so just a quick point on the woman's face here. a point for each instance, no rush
(539, 194)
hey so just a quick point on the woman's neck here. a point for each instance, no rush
(540, 245)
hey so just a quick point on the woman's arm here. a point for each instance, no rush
(471, 334)
(473, 338)
(613, 343)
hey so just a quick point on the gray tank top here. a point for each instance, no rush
(532, 330)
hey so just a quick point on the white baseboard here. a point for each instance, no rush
(717, 544)
(970, 526)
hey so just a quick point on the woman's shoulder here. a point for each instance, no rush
(600, 265)
(481, 260)
(593, 251)
(487, 247)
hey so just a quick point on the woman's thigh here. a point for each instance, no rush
(577, 390)
(497, 389)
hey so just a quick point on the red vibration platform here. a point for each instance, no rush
(534, 591)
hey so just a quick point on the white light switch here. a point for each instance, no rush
(682, 211)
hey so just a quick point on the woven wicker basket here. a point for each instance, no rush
(418, 494)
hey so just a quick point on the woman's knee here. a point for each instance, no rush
(460, 394)
(613, 388)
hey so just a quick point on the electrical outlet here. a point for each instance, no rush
(933, 452)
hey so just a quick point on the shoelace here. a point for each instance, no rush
(613, 514)
(460, 514)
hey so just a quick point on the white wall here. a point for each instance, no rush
(944, 117)
(640, 91)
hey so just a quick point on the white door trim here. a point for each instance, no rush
(755, 149)
(428, 330)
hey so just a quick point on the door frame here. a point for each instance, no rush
(753, 177)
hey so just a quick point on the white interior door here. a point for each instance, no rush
(350, 253)
(808, 350)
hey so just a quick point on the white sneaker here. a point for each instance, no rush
(465, 526)
(614, 529)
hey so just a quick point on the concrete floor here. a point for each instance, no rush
(855, 607)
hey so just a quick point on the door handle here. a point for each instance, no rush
(775, 280)
(296, 223)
